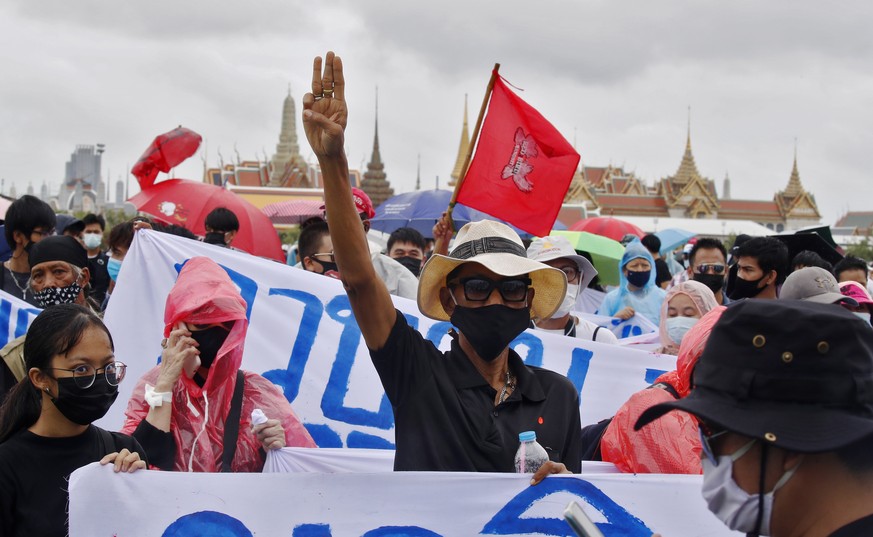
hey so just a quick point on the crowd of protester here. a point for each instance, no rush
(765, 408)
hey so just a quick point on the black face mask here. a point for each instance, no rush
(411, 263)
(215, 238)
(327, 266)
(638, 278)
(84, 405)
(489, 329)
(209, 340)
(746, 289)
(715, 282)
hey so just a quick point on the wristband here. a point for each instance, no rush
(156, 399)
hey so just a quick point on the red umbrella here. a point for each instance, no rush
(293, 211)
(606, 226)
(165, 152)
(186, 203)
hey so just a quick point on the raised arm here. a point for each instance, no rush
(324, 120)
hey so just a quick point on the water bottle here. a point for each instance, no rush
(530, 455)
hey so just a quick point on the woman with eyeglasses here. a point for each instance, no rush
(46, 429)
(193, 411)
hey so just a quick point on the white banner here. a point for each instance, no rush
(303, 338)
(364, 461)
(15, 317)
(106, 504)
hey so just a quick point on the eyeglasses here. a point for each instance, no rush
(330, 256)
(571, 272)
(709, 268)
(478, 288)
(43, 234)
(84, 375)
(706, 446)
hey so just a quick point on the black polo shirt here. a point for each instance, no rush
(444, 413)
(863, 527)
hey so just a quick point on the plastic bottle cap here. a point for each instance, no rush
(527, 436)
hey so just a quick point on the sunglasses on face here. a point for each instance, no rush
(478, 288)
(710, 268)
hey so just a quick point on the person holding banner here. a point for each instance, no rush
(786, 419)
(461, 410)
(46, 429)
(193, 411)
(637, 292)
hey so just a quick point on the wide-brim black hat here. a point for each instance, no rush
(796, 374)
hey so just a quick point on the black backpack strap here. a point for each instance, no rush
(668, 388)
(106, 440)
(594, 336)
(231, 425)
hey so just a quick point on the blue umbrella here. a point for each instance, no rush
(421, 209)
(672, 238)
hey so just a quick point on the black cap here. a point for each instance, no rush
(796, 374)
(58, 248)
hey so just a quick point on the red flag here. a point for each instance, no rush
(165, 152)
(522, 167)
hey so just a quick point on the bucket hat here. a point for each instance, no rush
(795, 374)
(551, 248)
(498, 248)
(856, 291)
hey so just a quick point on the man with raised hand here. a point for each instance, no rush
(461, 410)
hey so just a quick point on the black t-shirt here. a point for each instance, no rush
(662, 272)
(99, 276)
(863, 527)
(33, 478)
(13, 282)
(444, 413)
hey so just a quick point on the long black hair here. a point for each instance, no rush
(54, 332)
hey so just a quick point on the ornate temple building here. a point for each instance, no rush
(612, 191)
(375, 182)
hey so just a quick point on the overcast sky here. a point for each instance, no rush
(616, 76)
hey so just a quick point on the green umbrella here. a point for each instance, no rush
(605, 253)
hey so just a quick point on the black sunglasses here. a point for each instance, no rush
(479, 288)
(713, 268)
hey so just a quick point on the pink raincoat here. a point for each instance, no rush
(204, 294)
(670, 444)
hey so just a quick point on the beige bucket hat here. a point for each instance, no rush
(498, 248)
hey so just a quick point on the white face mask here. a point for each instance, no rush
(569, 301)
(732, 505)
(678, 326)
(93, 240)
(864, 315)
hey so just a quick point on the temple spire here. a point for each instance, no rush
(463, 148)
(687, 168)
(375, 182)
(794, 187)
(418, 174)
(286, 164)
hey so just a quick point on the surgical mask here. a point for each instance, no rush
(735, 507)
(638, 278)
(569, 301)
(112, 267)
(746, 289)
(677, 327)
(411, 263)
(209, 342)
(715, 282)
(84, 405)
(490, 329)
(52, 296)
(864, 315)
(93, 240)
(329, 269)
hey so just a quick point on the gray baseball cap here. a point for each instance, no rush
(814, 284)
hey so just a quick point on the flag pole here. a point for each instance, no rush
(438, 246)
